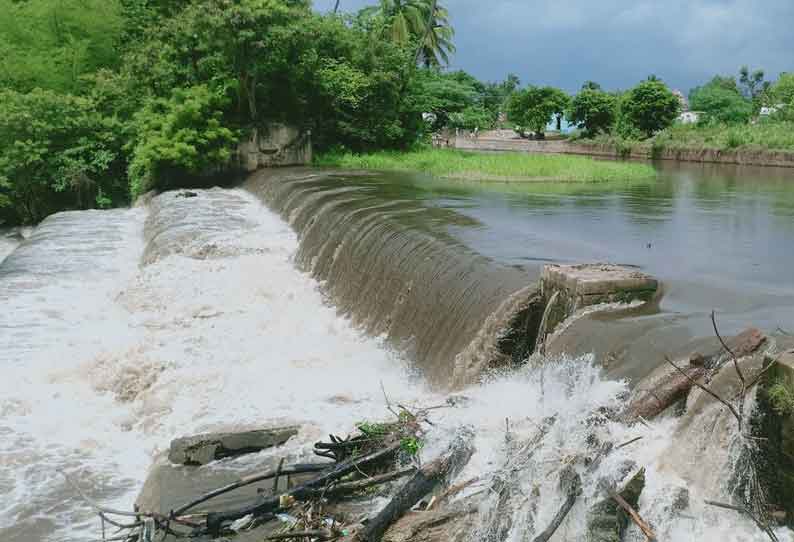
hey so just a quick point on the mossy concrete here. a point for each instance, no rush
(584, 285)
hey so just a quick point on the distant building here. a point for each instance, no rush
(682, 99)
(771, 110)
(689, 117)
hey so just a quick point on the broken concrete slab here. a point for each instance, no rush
(592, 284)
(202, 449)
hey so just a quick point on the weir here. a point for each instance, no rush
(389, 264)
(193, 319)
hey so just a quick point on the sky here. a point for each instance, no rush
(615, 42)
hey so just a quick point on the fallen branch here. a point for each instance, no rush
(761, 525)
(705, 389)
(423, 482)
(735, 364)
(104, 511)
(571, 484)
(635, 517)
(252, 479)
(451, 492)
(318, 534)
(268, 504)
(360, 485)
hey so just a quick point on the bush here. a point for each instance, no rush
(179, 140)
(56, 152)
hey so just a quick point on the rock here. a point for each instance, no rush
(774, 427)
(606, 520)
(202, 449)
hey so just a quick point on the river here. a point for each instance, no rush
(302, 294)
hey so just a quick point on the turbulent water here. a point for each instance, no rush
(123, 329)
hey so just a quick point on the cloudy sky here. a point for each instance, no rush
(616, 42)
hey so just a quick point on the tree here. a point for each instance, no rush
(425, 22)
(436, 46)
(593, 110)
(649, 107)
(753, 82)
(52, 44)
(179, 138)
(56, 152)
(534, 107)
(782, 92)
(718, 101)
(591, 85)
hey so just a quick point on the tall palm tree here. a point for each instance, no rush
(425, 21)
(436, 45)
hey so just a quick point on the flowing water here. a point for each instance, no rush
(123, 329)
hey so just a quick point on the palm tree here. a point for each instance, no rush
(436, 46)
(422, 20)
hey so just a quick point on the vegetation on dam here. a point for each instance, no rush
(515, 167)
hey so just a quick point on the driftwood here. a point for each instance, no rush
(571, 486)
(425, 480)
(607, 519)
(252, 479)
(269, 504)
(675, 385)
(634, 515)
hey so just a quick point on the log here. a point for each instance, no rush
(268, 504)
(571, 485)
(423, 482)
(670, 389)
(607, 520)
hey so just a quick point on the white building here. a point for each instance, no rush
(767, 111)
(689, 117)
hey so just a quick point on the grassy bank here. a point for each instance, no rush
(495, 167)
(770, 136)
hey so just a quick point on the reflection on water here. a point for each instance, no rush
(719, 237)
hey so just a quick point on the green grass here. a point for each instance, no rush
(764, 135)
(493, 167)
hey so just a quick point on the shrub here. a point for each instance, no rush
(56, 152)
(180, 139)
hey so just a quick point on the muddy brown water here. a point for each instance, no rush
(423, 261)
(123, 328)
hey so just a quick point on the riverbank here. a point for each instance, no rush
(703, 150)
(521, 168)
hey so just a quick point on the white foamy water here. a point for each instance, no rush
(106, 358)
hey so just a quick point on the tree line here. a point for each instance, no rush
(103, 100)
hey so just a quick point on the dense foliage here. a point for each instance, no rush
(719, 101)
(593, 110)
(534, 107)
(105, 99)
(649, 107)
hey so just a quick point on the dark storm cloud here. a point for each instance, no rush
(616, 42)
